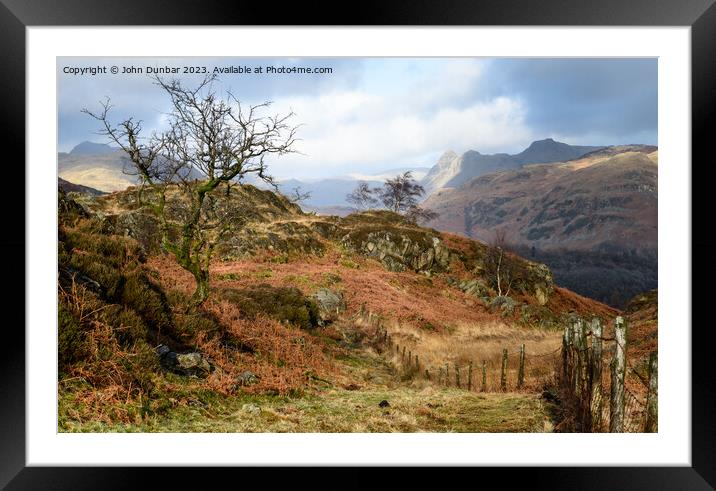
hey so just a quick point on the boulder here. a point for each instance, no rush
(191, 364)
(331, 303)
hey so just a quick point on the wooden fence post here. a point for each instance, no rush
(565, 354)
(457, 376)
(417, 363)
(410, 358)
(652, 397)
(503, 373)
(447, 375)
(596, 375)
(427, 374)
(484, 376)
(469, 377)
(402, 356)
(618, 368)
(521, 371)
(579, 346)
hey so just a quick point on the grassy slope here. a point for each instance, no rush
(323, 385)
(334, 409)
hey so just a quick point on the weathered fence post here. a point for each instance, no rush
(503, 373)
(410, 358)
(427, 374)
(579, 346)
(417, 363)
(447, 375)
(618, 368)
(484, 376)
(565, 355)
(457, 376)
(596, 375)
(402, 356)
(469, 376)
(652, 398)
(521, 371)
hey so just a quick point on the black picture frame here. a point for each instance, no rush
(16, 15)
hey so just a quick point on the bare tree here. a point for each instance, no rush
(401, 192)
(362, 197)
(298, 196)
(418, 214)
(210, 143)
(498, 267)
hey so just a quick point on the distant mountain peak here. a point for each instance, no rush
(448, 155)
(92, 148)
(452, 170)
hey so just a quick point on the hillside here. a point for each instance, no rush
(593, 220)
(293, 335)
(69, 187)
(453, 170)
(97, 166)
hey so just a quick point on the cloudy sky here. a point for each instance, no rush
(373, 114)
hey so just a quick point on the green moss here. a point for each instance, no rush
(286, 304)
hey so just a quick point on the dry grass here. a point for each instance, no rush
(476, 343)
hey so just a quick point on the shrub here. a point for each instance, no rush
(71, 342)
(286, 304)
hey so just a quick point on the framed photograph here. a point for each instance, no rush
(427, 238)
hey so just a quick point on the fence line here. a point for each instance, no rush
(458, 375)
(597, 406)
(597, 397)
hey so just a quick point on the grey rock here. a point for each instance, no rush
(247, 378)
(331, 303)
(252, 409)
(402, 249)
(187, 364)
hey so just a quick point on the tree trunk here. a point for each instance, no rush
(201, 293)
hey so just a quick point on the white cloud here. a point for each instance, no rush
(368, 131)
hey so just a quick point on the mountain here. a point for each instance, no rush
(593, 220)
(97, 166)
(91, 148)
(452, 170)
(102, 167)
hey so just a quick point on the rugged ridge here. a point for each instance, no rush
(452, 170)
(600, 208)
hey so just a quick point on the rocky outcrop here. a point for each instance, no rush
(475, 287)
(401, 249)
(142, 226)
(330, 304)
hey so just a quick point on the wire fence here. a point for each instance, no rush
(618, 399)
(515, 370)
(599, 390)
